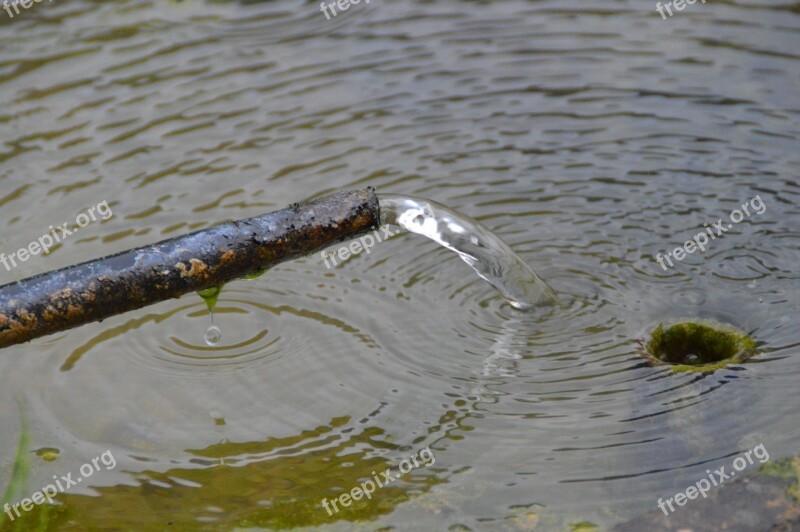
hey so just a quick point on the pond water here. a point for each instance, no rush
(590, 137)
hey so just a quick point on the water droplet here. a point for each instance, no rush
(217, 416)
(213, 335)
(689, 296)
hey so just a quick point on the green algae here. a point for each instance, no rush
(48, 454)
(278, 484)
(535, 516)
(584, 526)
(701, 347)
(786, 469)
(210, 296)
(257, 274)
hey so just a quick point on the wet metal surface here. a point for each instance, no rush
(104, 287)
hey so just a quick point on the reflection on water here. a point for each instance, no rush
(588, 136)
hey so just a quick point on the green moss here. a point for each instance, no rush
(698, 347)
(787, 469)
(274, 484)
(537, 517)
(210, 296)
(584, 526)
(257, 274)
(48, 454)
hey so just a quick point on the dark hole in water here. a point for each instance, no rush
(697, 344)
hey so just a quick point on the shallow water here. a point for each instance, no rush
(588, 137)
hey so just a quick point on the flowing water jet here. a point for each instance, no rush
(491, 258)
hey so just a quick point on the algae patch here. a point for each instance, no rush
(210, 296)
(701, 347)
(787, 469)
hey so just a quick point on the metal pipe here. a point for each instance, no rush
(73, 296)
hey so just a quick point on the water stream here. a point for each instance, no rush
(485, 252)
(491, 258)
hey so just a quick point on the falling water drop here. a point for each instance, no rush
(213, 335)
(217, 416)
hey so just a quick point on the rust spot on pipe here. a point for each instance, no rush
(198, 268)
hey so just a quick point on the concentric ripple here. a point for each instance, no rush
(589, 137)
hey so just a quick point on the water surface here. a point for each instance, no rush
(587, 136)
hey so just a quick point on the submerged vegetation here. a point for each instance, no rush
(269, 484)
(786, 469)
(20, 473)
(698, 347)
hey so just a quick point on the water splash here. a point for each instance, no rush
(213, 334)
(484, 251)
